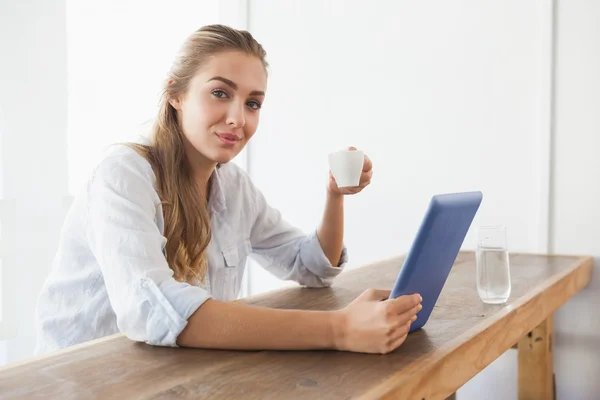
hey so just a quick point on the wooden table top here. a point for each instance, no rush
(462, 337)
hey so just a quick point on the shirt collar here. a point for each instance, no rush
(216, 203)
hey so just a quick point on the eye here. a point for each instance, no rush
(253, 104)
(218, 93)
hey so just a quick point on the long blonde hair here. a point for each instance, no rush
(187, 221)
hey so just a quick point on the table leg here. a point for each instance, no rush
(536, 364)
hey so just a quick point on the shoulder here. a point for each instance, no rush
(123, 168)
(123, 160)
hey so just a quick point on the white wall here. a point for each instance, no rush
(33, 99)
(576, 191)
(442, 98)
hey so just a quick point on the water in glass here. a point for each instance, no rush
(493, 266)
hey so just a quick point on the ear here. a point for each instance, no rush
(175, 103)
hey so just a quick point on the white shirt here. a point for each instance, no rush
(110, 274)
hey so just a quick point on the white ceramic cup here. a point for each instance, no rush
(346, 167)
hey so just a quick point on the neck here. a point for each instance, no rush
(202, 167)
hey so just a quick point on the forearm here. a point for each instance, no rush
(237, 326)
(331, 230)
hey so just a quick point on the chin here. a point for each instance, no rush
(223, 157)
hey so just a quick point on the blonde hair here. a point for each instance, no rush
(187, 221)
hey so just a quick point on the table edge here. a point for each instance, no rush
(34, 359)
(396, 385)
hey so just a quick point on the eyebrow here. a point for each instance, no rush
(234, 86)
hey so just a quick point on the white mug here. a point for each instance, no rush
(346, 167)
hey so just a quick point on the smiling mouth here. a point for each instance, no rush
(228, 139)
(229, 136)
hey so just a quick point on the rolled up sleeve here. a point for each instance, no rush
(150, 305)
(286, 251)
(313, 257)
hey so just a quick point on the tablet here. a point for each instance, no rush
(434, 250)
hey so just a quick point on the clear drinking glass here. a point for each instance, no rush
(493, 265)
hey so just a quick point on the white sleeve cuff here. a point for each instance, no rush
(169, 307)
(315, 260)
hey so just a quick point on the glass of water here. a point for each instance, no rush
(493, 265)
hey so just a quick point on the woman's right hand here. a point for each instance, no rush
(372, 323)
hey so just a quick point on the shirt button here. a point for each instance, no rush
(144, 283)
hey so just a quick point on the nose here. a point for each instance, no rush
(235, 116)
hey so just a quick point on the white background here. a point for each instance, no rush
(498, 96)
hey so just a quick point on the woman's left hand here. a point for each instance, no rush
(365, 179)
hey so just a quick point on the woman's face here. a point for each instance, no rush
(220, 110)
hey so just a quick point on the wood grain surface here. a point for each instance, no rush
(462, 337)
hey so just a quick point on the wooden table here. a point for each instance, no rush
(462, 338)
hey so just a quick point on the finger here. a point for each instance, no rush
(410, 314)
(397, 342)
(404, 303)
(407, 317)
(401, 330)
(399, 327)
(353, 190)
(365, 178)
(351, 148)
(350, 190)
(367, 165)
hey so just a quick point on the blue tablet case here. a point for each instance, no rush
(435, 248)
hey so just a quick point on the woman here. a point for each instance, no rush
(155, 245)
